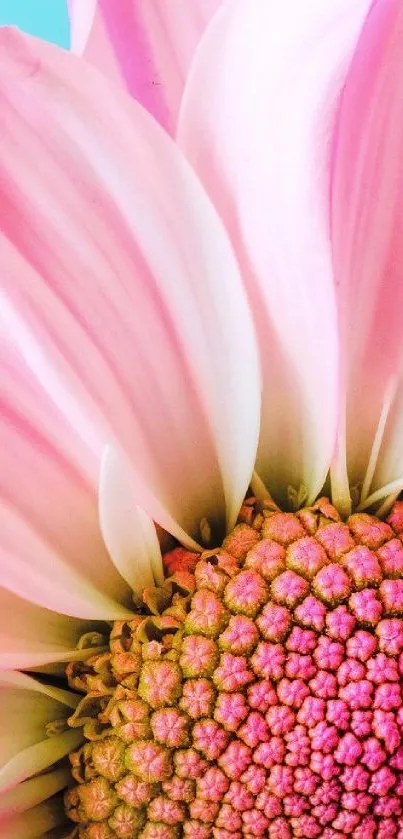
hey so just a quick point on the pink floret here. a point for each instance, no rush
(390, 634)
(391, 592)
(268, 660)
(324, 685)
(232, 672)
(313, 710)
(338, 713)
(388, 697)
(311, 613)
(340, 623)
(230, 710)
(289, 588)
(349, 750)
(235, 759)
(358, 694)
(267, 754)
(306, 556)
(361, 723)
(332, 584)
(254, 778)
(329, 654)
(351, 670)
(300, 666)
(255, 822)
(254, 730)
(336, 539)
(280, 720)
(274, 622)
(391, 558)
(301, 640)
(381, 668)
(365, 606)
(213, 785)
(363, 566)
(361, 645)
(280, 780)
(292, 692)
(324, 737)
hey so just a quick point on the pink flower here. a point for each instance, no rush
(154, 291)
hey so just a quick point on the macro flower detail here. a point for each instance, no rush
(262, 719)
(201, 422)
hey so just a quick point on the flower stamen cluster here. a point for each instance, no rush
(264, 699)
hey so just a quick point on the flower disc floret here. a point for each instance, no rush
(266, 697)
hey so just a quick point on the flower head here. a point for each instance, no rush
(183, 318)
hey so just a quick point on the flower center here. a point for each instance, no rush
(259, 693)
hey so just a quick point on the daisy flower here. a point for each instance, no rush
(202, 455)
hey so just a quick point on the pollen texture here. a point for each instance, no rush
(259, 693)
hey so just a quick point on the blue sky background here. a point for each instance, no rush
(47, 19)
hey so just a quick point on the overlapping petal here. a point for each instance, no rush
(31, 636)
(128, 532)
(146, 46)
(367, 233)
(122, 287)
(52, 552)
(256, 121)
(32, 792)
(35, 822)
(27, 707)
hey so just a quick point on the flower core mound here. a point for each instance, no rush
(258, 694)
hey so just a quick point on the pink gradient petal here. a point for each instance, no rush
(35, 822)
(26, 708)
(122, 290)
(128, 532)
(255, 122)
(145, 45)
(51, 552)
(31, 636)
(81, 14)
(38, 757)
(32, 792)
(367, 232)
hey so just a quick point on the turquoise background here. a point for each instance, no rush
(47, 19)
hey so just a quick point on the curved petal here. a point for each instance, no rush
(367, 231)
(38, 757)
(122, 288)
(81, 14)
(21, 681)
(51, 551)
(26, 708)
(31, 636)
(32, 792)
(128, 532)
(34, 823)
(145, 46)
(255, 121)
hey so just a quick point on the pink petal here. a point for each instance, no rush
(255, 121)
(36, 822)
(145, 46)
(122, 289)
(31, 636)
(32, 792)
(128, 532)
(38, 757)
(51, 552)
(27, 707)
(367, 231)
(82, 16)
